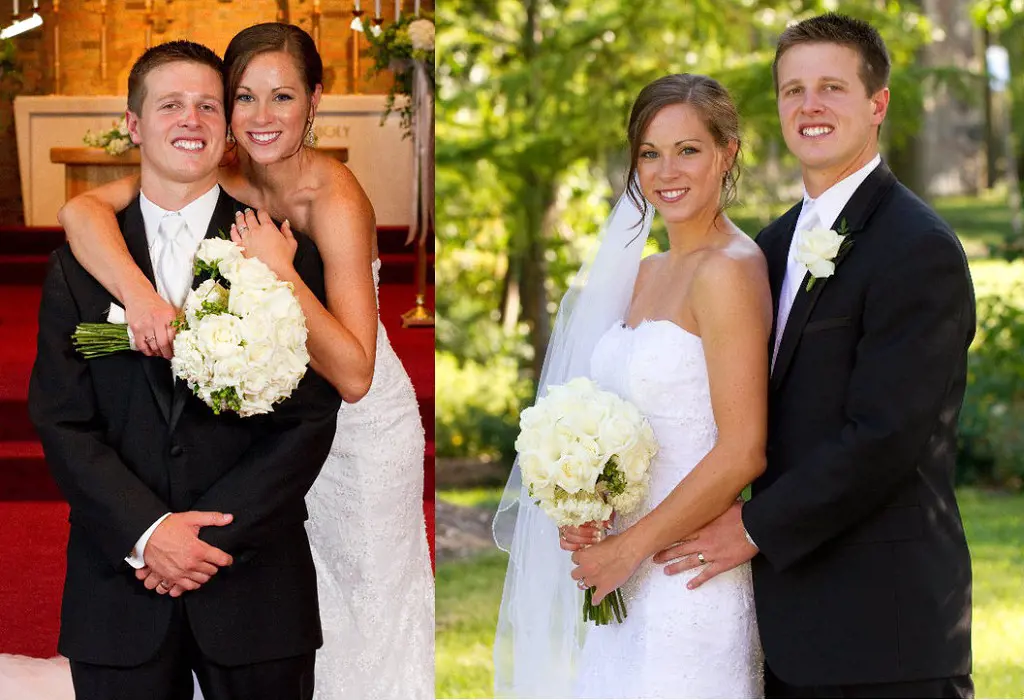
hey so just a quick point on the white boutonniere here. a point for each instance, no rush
(817, 248)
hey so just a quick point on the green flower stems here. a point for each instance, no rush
(100, 339)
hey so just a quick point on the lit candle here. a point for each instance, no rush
(416, 7)
(398, 10)
(376, 9)
(357, 6)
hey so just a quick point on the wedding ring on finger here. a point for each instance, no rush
(582, 584)
(242, 229)
(150, 338)
(700, 558)
(164, 585)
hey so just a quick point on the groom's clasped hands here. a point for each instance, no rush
(176, 559)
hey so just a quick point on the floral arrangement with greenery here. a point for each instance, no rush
(398, 47)
(114, 141)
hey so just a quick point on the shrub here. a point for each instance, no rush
(477, 406)
(991, 446)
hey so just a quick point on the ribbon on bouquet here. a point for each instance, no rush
(423, 154)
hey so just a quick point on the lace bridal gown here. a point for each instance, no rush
(674, 643)
(369, 543)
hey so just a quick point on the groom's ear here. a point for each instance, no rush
(131, 121)
(879, 106)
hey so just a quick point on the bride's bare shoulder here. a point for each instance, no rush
(738, 262)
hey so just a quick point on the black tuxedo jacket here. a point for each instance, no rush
(127, 444)
(864, 574)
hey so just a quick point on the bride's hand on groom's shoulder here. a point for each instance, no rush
(719, 546)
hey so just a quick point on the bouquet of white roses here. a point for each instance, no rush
(585, 453)
(241, 341)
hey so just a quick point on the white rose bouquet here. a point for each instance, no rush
(584, 454)
(241, 341)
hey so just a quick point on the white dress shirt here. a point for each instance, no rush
(822, 211)
(197, 215)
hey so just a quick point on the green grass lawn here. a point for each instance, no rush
(468, 593)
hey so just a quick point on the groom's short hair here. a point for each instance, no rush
(161, 55)
(833, 28)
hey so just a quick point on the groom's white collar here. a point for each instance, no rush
(197, 214)
(831, 202)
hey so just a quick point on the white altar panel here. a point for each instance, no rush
(377, 154)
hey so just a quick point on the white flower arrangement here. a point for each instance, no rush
(584, 454)
(241, 340)
(114, 141)
(421, 34)
(817, 248)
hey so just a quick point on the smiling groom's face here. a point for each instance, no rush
(829, 121)
(181, 127)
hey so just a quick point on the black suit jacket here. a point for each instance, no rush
(864, 574)
(127, 445)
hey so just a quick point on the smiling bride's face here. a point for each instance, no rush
(679, 166)
(272, 108)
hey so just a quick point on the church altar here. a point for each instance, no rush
(377, 154)
(86, 168)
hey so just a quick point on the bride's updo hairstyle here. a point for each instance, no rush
(715, 109)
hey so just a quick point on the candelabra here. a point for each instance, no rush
(56, 47)
(357, 33)
(103, 40)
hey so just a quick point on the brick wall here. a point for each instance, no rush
(210, 22)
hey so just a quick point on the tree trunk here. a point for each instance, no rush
(539, 197)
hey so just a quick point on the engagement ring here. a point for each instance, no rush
(700, 558)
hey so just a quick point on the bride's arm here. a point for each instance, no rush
(732, 306)
(98, 244)
(342, 339)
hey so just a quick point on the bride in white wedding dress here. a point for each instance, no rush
(684, 336)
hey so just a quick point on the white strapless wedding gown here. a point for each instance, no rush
(674, 643)
(369, 543)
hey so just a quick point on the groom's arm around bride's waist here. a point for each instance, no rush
(903, 393)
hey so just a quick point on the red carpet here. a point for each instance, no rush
(33, 515)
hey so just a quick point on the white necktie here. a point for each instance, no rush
(173, 253)
(795, 272)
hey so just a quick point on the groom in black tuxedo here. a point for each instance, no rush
(862, 577)
(210, 509)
